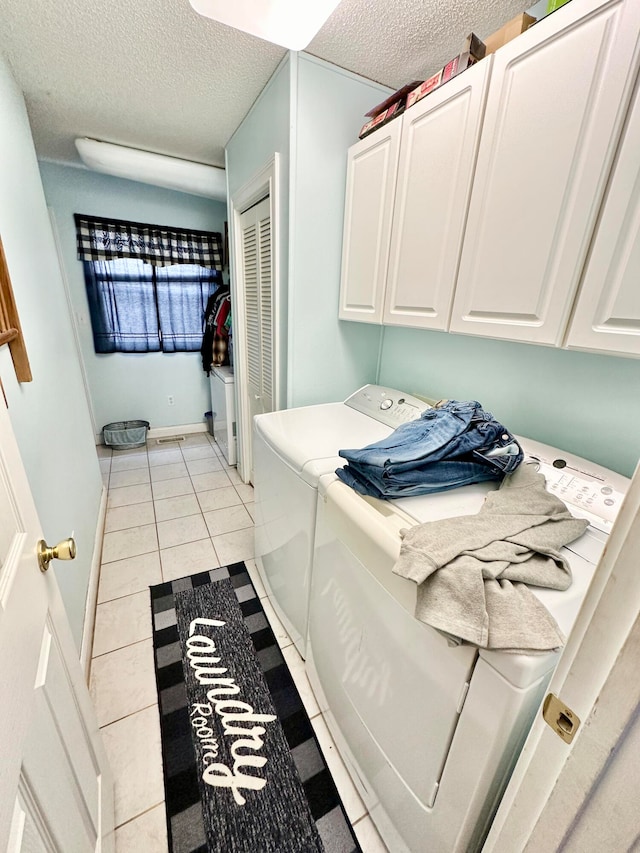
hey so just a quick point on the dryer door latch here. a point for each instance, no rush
(561, 719)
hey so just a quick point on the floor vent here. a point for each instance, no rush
(170, 438)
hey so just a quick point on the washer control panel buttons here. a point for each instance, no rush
(386, 405)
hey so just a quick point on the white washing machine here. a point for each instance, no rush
(291, 450)
(429, 730)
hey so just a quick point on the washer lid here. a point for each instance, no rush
(465, 500)
(308, 439)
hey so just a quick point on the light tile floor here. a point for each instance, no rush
(173, 509)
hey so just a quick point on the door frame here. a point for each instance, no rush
(265, 182)
(552, 782)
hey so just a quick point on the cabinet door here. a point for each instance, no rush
(371, 181)
(440, 137)
(607, 312)
(556, 103)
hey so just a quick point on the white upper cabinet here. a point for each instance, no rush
(440, 137)
(555, 108)
(408, 188)
(607, 313)
(371, 181)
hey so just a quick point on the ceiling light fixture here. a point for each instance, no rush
(289, 23)
(149, 168)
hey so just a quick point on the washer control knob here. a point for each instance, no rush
(386, 404)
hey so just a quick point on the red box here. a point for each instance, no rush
(382, 118)
(424, 88)
(451, 69)
(400, 95)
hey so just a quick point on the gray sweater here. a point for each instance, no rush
(472, 570)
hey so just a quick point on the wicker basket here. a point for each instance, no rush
(123, 435)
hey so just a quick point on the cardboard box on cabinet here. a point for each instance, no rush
(508, 32)
(452, 69)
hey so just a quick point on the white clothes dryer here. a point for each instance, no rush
(291, 450)
(429, 730)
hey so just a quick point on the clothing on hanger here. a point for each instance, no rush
(214, 348)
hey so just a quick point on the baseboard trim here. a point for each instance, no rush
(92, 591)
(167, 432)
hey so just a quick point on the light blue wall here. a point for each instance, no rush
(50, 416)
(262, 133)
(130, 386)
(584, 403)
(264, 130)
(310, 113)
(328, 359)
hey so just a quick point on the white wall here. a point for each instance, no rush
(50, 415)
(133, 385)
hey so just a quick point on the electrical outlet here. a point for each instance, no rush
(170, 400)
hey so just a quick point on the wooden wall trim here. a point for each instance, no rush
(10, 328)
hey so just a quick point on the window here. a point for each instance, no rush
(137, 307)
(147, 285)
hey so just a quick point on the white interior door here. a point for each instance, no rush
(257, 275)
(582, 797)
(56, 791)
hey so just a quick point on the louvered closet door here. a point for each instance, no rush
(258, 303)
(266, 308)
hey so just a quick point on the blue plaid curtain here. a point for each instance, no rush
(182, 293)
(136, 307)
(122, 306)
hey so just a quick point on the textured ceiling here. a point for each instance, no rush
(155, 75)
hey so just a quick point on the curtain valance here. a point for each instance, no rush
(110, 239)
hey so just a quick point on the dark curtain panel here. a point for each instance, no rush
(122, 305)
(182, 292)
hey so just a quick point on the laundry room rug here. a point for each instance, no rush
(243, 771)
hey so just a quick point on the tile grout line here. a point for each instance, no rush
(126, 716)
(130, 556)
(135, 817)
(146, 639)
(127, 646)
(218, 560)
(203, 519)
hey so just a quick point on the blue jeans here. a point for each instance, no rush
(453, 445)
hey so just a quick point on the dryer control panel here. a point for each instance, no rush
(589, 490)
(387, 405)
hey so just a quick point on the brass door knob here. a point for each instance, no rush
(65, 550)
